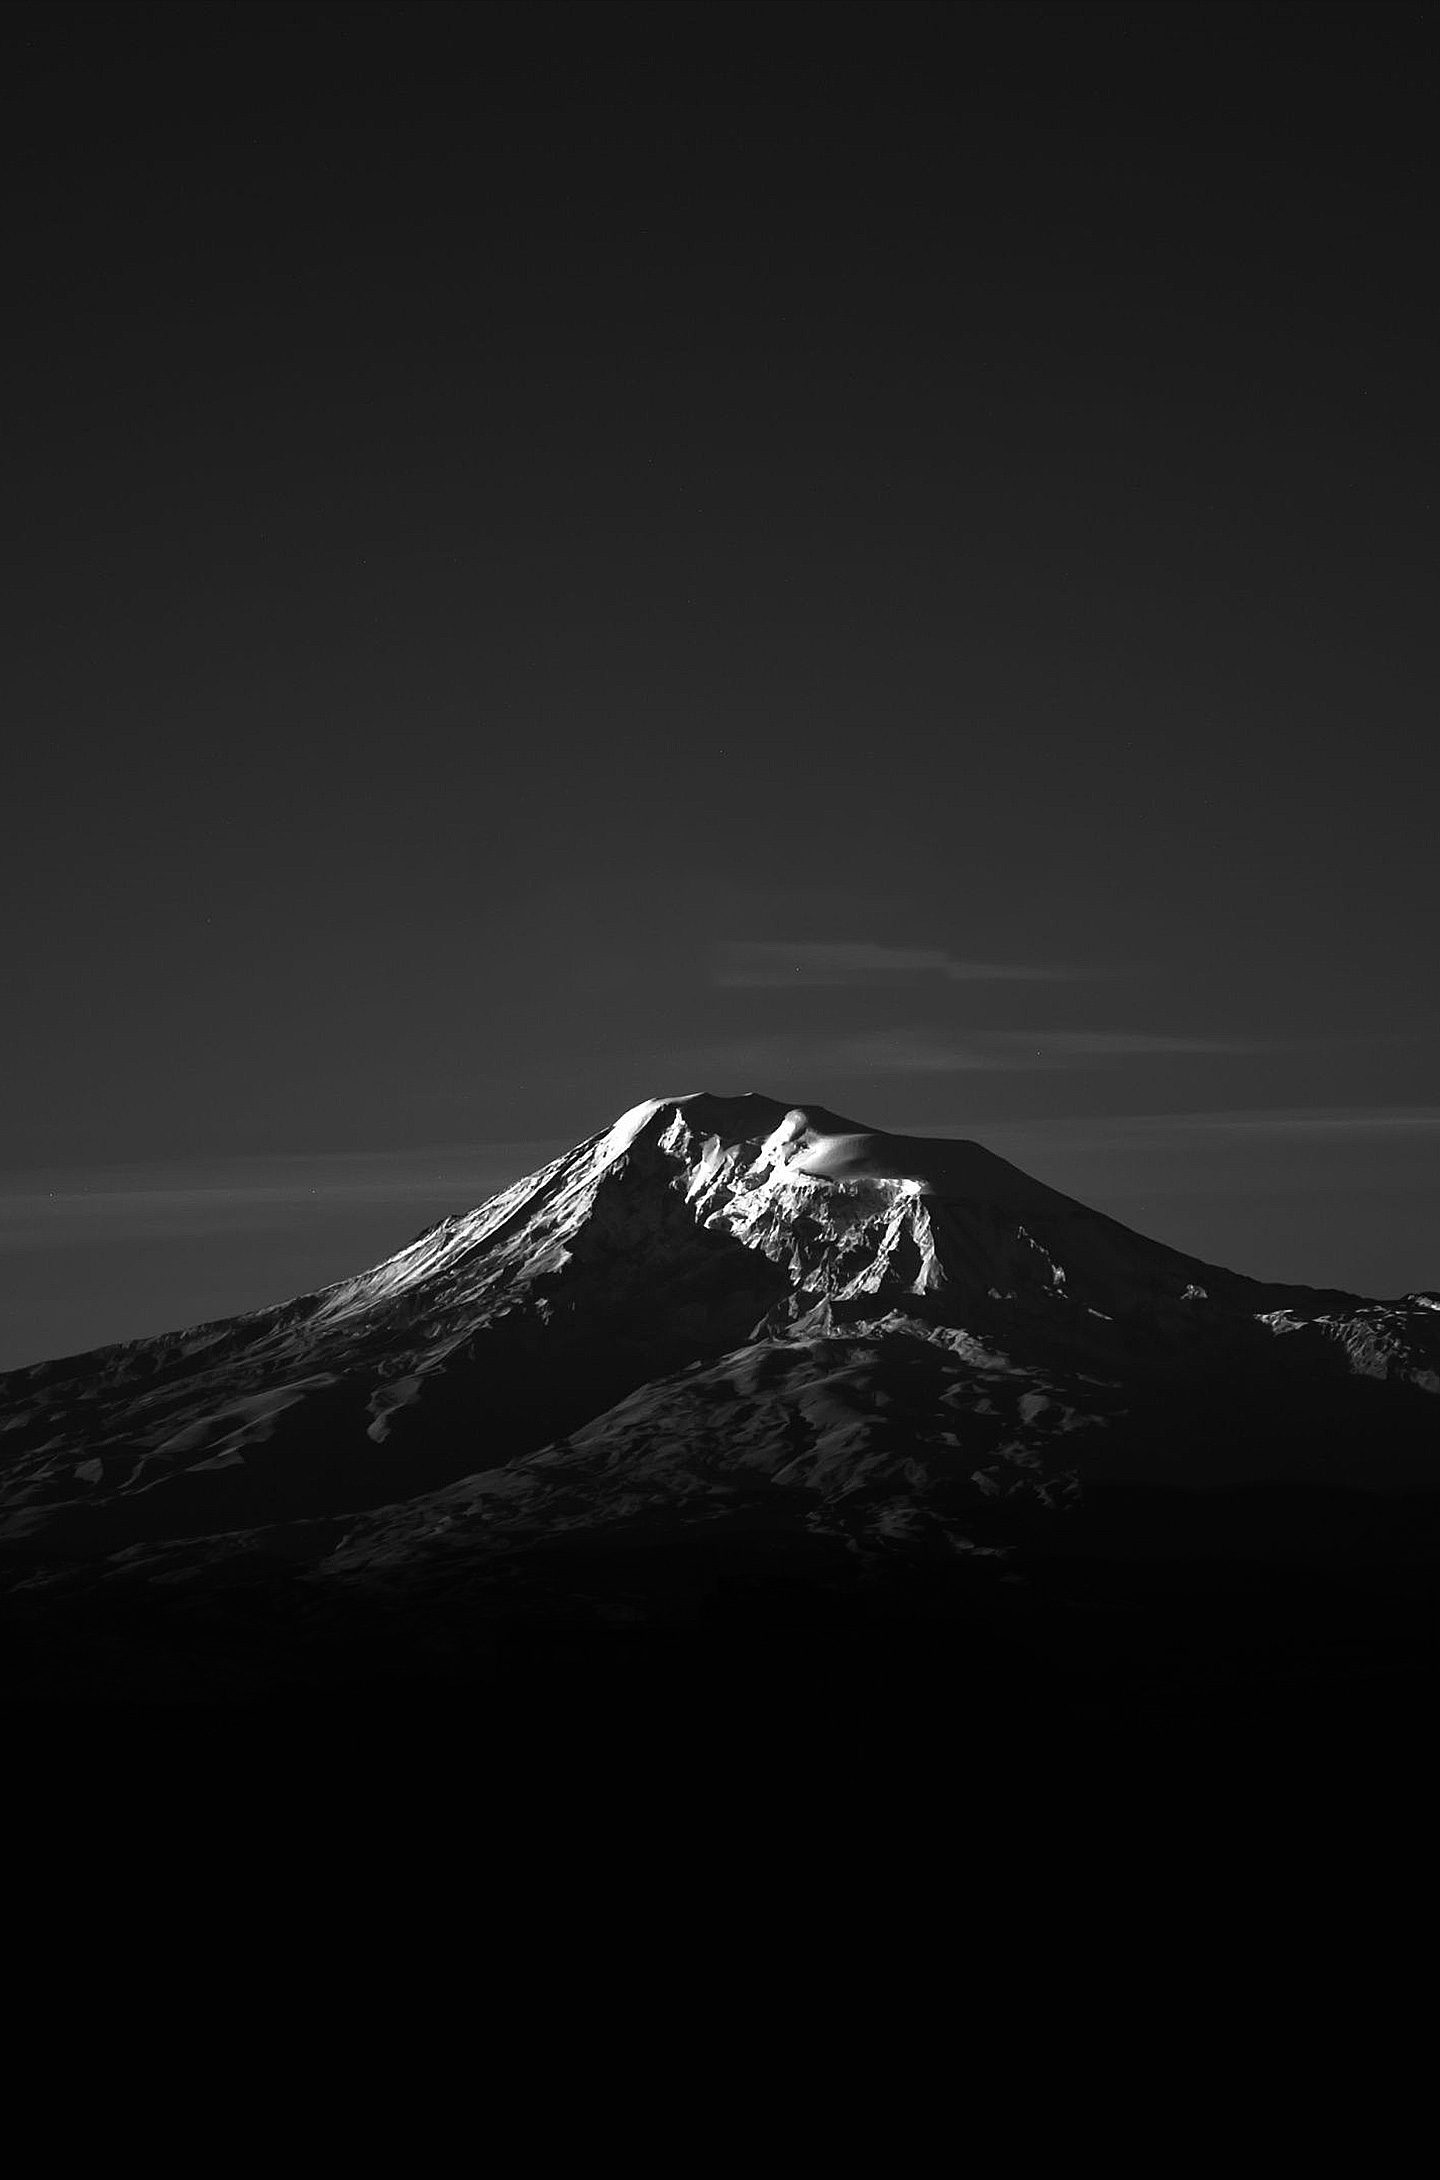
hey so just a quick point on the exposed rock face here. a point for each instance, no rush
(717, 1306)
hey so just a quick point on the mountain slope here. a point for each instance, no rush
(711, 1293)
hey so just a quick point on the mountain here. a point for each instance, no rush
(720, 1334)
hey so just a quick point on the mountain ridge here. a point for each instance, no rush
(692, 1229)
(742, 1374)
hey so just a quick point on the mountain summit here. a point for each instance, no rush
(716, 1308)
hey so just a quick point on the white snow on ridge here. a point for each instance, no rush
(619, 1138)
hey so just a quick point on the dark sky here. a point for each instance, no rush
(563, 554)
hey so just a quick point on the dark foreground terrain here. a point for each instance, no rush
(1256, 1627)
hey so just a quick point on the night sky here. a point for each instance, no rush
(883, 555)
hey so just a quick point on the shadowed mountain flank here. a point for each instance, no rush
(721, 1326)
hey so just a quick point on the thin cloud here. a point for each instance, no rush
(1127, 1133)
(1310, 1120)
(768, 1064)
(928, 1052)
(773, 964)
(1024, 1049)
(253, 1194)
(1120, 1130)
(1052, 1047)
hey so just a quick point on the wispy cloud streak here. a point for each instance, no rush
(249, 1195)
(1305, 1120)
(929, 1052)
(1261, 1127)
(773, 964)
